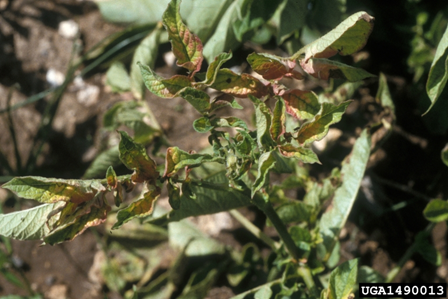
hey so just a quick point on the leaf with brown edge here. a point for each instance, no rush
(49, 190)
(96, 216)
(278, 120)
(176, 159)
(325, 69)
(164, 88)
(272, 67)
(305, 155)
(240, 86)
(347, 38)
(140, 208)
(134, 157)
(317, 127)
(187, 47)
(301, 104)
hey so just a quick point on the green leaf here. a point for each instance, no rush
(436, 210)
(31, 224)
(444, 155)
(317, 127)
(305, 155)
(263, 293)
(240, 86)
(301, 104)
(117, 77)
(201, 281)
(383, 94)
(197, 98)
(333, 220)
(228, 122)
(202, 125)
(347, 38)
(187, 47)
(272, 67)
(105, 159)
(207, 199)
(177, 159)
(427, 250)
(134, 157)
(173, 195)
(343, 280)
(438, 74)
(146, 53)
(321, 68)
(263, 119)
(219, 103)
(368, 275)
(265, 163)
(214, 67)
(164, 88)
(289, 17)
(49, 190)
(95, 216)
(294, 212)
(139, 208)
(279, 119)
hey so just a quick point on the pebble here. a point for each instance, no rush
(88, 96)
(54, 77)
(68, 29)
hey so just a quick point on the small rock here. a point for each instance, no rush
(68, 29)
(88, 96)
(57, 291)
(55, 78)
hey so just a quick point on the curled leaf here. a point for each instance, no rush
(305, 155)
(278, 121)
(214, 67)
(301, 104)
(187, 47)
(265, 163)
(173, 195)
(111, 177)
(272, 67)
(240, 86)
(325, 69)
(176, 159)
(197, 98)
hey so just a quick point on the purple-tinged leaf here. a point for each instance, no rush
(164, 88)
(187, 47)
(317, 127)
(325, 69)
(240, 86)
(305, 155)
(301, 104)
(272, 67)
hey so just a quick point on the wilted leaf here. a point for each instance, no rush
(352, 173)
(438, 74)
(444, 155)
(325, 69)
(187, 47)
(240, 86)
(117, 77)
(343, 280)
(306, 155)
(49, 190)
(383, 94)
(146, 53)
(31, 224)
(272, 67)
(176, 159)
(436, 210)
(164, 88)
(317, 127)
(214, 67)
(265, 163)
(347, 38)
(134, 157)
(111, 177)
(197, 98)
(301, 104)
(289, 17)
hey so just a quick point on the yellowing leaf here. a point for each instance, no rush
(240, 86)
(347, 38)
(164, 88)
(134, 156)
(187, 47)
(49, 190)
(278, 121)
(140, 208)
(272, 67)
(316, 128)
(176, 159)
(305, 155)
(301, 104)
(325, 69)
(111, 177)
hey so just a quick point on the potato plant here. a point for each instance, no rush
(238, 164)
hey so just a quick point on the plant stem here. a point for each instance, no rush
(307, 277)
(272, 215)
(255, 230)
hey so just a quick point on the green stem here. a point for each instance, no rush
(255, 230)
(307, 277)
(266, 207)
